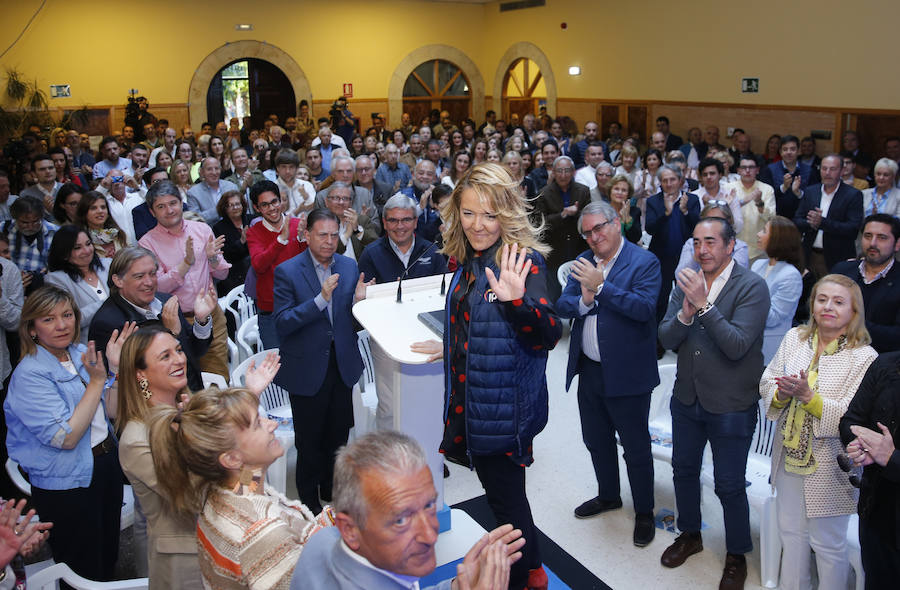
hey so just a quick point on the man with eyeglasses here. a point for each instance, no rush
(757, 201)
(357, 230)
(559, 203)
(365, 179)
(29, 240)
(343, 170)
(611, 294)
(271, 241)
(400, 251)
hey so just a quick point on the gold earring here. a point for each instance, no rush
(145, 388)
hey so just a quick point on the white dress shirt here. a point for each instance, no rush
(589, 344)
(824, 205)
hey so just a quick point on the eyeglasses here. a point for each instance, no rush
(268, 204)
(339, 199)
(718, 203)
(597, 229)
(564, 170)
(396, 221)
(235, 205)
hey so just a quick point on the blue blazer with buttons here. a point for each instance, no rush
(626, 322)
(305, 332)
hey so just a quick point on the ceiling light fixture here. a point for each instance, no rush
(574, 70)
(243, 27)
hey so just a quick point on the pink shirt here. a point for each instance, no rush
(169, 247)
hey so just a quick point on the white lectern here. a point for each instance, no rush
(417, 387)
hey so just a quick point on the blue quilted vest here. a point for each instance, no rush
(506, 382)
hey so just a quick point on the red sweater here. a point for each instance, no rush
(266, 253)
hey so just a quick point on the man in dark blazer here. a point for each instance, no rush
(878, 277)
(611, 293)
(829, 217)
(671, 217)
(381, 260)
(559, 203)
(715, 320)
(133, 298)
(320, 360)
(673, 142)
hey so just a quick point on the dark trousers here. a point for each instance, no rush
(322, 423)
(601, 417)
(729, 435)
(86, 521)
(504, 487)
(880, 555)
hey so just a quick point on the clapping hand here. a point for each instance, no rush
(92, 360)
(205, 302)
(214, 247)
(258, 378)
(189, 251)
(114, 345)
(361, 285)
(328, 286)
(795, 386)
(814, 218)
(590, 276)
(693, 286)
(16, 536)
(169, 316)
(513, 271)
(875, 447)
(486, 565)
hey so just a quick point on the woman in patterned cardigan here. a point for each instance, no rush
(214, 453)
(807, 388)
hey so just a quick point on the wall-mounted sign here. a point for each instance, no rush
(750, 85)
(348, 90)
(60, 91)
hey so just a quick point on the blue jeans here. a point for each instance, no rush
(729, 435)
(267, 332)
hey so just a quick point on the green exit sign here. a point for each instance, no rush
(750, 85)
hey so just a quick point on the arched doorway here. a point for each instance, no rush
(427, 53)
(437, 84)
(250, 87)
(230, 52)
(523, 89)
(516, 52)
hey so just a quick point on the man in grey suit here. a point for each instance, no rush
(715, 320)
(386, 526)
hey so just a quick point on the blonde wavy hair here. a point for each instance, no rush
(499, 192)
(856, 333)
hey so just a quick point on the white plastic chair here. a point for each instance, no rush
(47, 578)
(562, 273)
(210, 379)
(660, 417)
(127, 517)
(365, 351)
(247, 337)
(233, 355)
(238, 305)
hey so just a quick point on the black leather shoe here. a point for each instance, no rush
(735, 572)
(684, 546)
(596, 506)
(644, 528)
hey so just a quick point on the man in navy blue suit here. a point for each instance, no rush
(313, 294)
(611, 294)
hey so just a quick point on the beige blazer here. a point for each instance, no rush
(171, 543)
(827, 490)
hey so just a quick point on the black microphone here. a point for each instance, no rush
(412, 264)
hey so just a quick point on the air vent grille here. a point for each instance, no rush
(520, 4)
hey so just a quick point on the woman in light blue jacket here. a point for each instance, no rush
(780, 240)
(59, 433)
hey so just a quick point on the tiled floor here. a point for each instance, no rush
(562, 477)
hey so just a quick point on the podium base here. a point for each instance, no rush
(443, 516)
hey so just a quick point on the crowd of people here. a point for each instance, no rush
(771, 276)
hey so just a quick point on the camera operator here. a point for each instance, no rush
(137, 115)
(342, 120)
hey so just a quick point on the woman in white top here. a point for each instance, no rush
(629, 168)
(780, 240)
(460, 165)
(884, 197)
(646, 183)
(76, 269)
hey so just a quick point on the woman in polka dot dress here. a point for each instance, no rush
(499, 329)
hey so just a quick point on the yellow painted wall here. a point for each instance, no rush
(806, 52)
